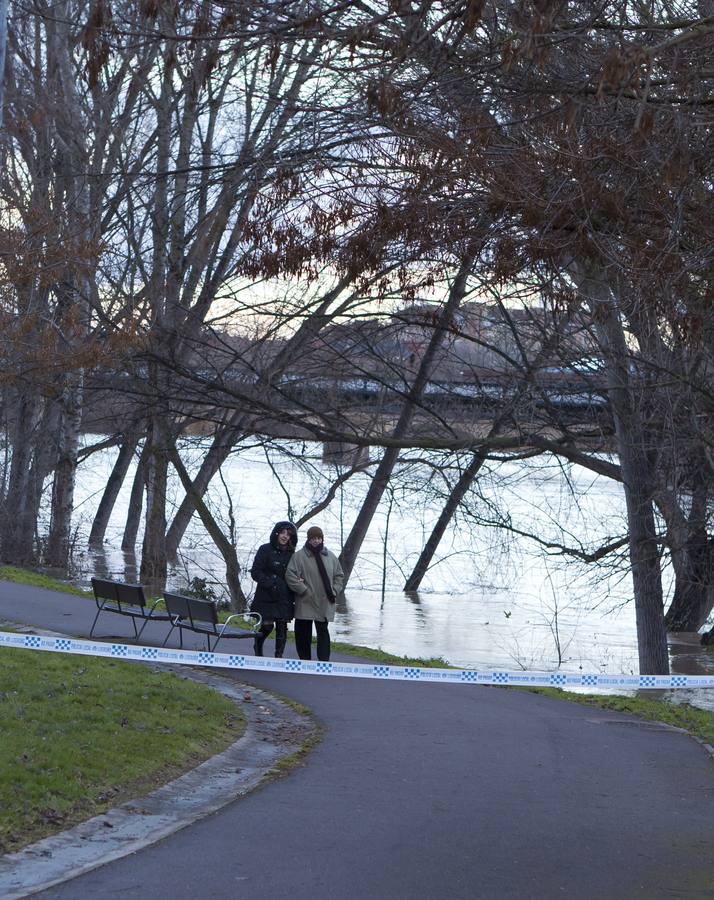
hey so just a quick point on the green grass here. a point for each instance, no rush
(37, 579)
(81, 734)
(435, 662)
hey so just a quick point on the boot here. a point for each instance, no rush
(281, 637)
(259, 639)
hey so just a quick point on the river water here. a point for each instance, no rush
(490, 600)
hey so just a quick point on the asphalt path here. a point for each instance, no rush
(433, 791)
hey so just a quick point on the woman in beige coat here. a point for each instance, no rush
(315, 577)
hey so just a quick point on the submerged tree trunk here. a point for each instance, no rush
(136, 502)
(693, 598)
(384, 470)
(690, 547)
(692, 552)
(452, 504)
(111, 492)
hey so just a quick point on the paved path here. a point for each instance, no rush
(435, 791)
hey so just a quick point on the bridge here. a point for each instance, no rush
(292, 403)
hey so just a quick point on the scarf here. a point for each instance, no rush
(317, 553)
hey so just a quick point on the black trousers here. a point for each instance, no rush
(281, 636)
(303, 639)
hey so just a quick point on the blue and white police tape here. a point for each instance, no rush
(348, 670)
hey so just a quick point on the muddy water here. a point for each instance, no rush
(490, 600)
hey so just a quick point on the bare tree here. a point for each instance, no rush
(182, 150)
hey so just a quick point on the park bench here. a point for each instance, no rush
(201, 617)
(125, 600)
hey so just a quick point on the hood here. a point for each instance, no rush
(279, 527)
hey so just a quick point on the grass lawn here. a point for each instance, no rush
(37, 579)
(81, 734)
(436, 662)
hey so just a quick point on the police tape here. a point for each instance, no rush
(378, 671)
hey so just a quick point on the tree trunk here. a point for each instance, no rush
(384, 470)
(693, 563)
(452, 504)
(226, 548)
(21, 503)
(153, 554)
(3, 46)
(683, 497)
(645, 560)
(111, 492)
(72, 287)
(637, 476)
(136, 500)
(213, 460)
(58, 543)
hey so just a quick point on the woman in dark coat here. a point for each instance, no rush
(273, 598)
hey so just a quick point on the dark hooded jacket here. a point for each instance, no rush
(273, 599)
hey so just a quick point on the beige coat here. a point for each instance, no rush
(303, 579)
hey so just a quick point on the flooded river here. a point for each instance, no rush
(491, 599)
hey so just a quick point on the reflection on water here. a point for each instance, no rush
(689, 657)
(486, 604)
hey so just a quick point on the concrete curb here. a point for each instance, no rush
(274, 731)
